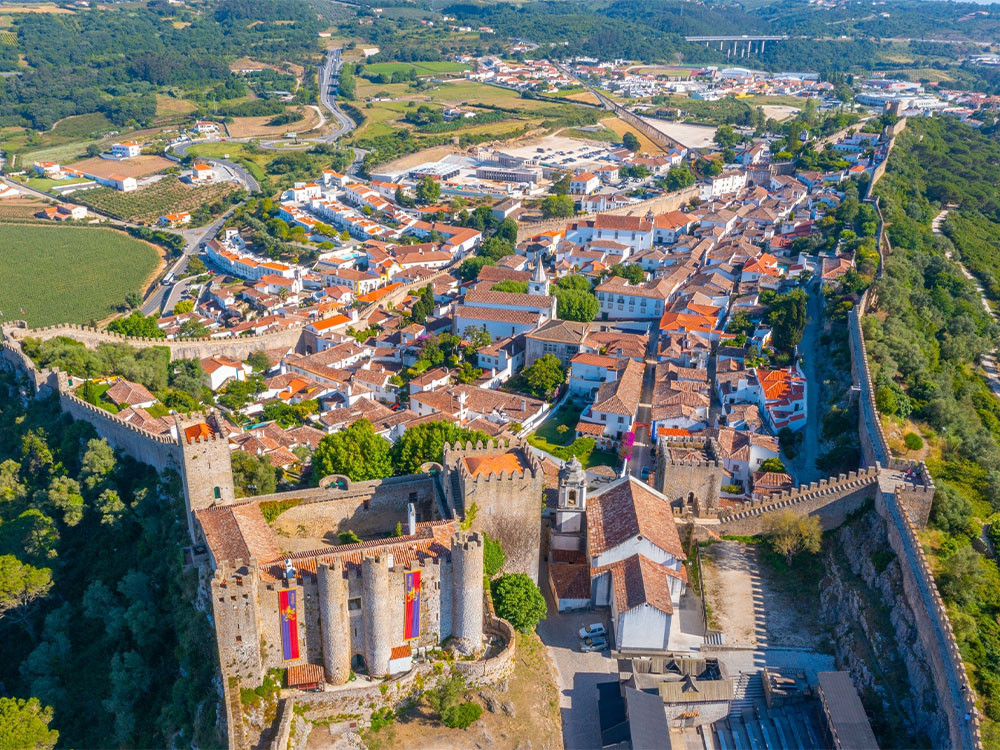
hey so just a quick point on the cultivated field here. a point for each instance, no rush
(247, 127)
(139, 166)
(20, 207)
(69, 274)
(150, 203)
(422, 68)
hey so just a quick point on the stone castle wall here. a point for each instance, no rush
(238, 348)
(904, 511)
(365, 508)
(933, 626)
(830, 500)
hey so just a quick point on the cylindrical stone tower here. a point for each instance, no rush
(335, 627)
(377, 614)
(467, 588)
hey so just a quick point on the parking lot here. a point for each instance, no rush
(578, 674)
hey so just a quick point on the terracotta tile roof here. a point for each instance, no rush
(570, 581)
(238, 532)
(630, 508)
(502, 273)
(637, 580)
(476, 297)
(623, 223)
(400, 652)
(499, 315)
(561, 331)
(126, 393)
(504, 463)
(304, 674)
(622, 396)
(432, 540)
(590, 428)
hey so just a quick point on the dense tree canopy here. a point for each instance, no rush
(356, 452)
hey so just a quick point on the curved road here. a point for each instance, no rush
(241, 173)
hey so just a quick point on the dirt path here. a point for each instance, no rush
(989, 361)
(752, 605)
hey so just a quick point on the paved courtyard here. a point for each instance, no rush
(578, 674)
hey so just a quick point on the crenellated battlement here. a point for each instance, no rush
(237, 346)
(826, 491)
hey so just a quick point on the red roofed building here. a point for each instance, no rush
(636, 562)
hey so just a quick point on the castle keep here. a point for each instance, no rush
(366, 607)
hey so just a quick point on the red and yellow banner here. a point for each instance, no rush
(411, 607)
(289, 625)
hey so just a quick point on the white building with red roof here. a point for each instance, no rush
(636, 563)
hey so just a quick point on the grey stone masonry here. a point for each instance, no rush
(378, 627)
(467, 561)
(334, 622)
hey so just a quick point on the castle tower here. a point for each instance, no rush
(467, 587)
(539, 283)
(572, 507)
(205, 469)
(335, 625)
(377, 614)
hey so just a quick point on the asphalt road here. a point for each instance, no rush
(329, 76)
(164, 298)
(180, 149)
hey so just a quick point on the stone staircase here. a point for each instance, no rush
(749, 690)
(714, 637)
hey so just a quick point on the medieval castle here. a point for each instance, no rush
(286, 593)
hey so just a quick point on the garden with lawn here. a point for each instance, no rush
(557, 436)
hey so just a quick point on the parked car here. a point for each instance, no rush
(593, 630)
(594, 644)
(644, 475)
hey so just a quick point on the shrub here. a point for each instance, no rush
(462, 715)
(493, 556)
(732, 489)
(913, 441)
(383, 717)
(518, 600)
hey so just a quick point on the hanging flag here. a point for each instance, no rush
(289, 625)
(411, 607)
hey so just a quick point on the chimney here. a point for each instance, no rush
(524, 404)
(411, 520)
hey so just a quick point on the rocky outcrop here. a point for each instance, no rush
(875, 636)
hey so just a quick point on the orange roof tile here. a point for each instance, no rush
(499, 464)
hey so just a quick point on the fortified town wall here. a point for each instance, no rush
(237, 348)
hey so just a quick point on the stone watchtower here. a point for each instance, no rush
(334, 622)
(572, 506)
(205, 468)
(467, 561)
(377, 614)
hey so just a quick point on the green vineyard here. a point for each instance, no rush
(148, 204)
